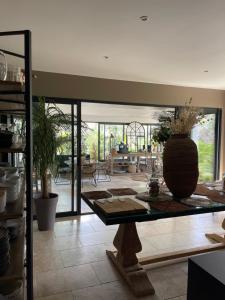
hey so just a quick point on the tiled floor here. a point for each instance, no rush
(70, 263)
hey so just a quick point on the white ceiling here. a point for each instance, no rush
(99, 112)
(181, 39)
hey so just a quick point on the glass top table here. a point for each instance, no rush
(151, 214)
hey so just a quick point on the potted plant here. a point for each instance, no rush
(48, 121)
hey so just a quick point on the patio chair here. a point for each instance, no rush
(89, 171)
(63, 170)
(103, 171)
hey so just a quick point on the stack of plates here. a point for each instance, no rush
(14, 229)
(11, 290)
(4, 250)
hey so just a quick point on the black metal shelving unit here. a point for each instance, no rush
(17, 99)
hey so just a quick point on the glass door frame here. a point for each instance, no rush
(74, 141)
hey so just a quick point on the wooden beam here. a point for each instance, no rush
(180, 254)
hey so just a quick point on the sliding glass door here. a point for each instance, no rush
(64, 177)
(206, 137)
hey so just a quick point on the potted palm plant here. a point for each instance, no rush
(48, 121)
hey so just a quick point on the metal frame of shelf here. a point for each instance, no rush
(27, 94)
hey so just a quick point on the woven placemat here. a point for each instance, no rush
(201, 189)
(118, 207)
(122, 192)
(95, 195)
(211, 194)
(169, 206)
(217, 197)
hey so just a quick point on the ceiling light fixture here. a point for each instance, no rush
(143, 18)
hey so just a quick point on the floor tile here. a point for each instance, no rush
(106, 271)
(169, 281)
(97, 238)
(83, 255)
(67, 279)
(79, 277)
(44, 262)
(49, 283)
(64, 296)
(110, 291)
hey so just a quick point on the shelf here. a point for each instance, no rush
(13, 149)
(15, 210)
(16, 268)
(11, 95)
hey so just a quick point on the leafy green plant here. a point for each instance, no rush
(48, 120)
(163, 132)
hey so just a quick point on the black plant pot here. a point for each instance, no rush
(46, 211)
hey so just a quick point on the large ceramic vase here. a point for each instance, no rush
(180, 165)
(46, 212)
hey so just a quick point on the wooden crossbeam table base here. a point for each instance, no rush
(128, 244)
(135, 276)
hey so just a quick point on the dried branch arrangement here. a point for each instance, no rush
(187, 118)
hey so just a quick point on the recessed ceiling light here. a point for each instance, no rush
(143, 18)
(206, 71)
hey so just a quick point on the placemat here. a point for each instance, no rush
(201, 189)
(217, 197)
(95, 195)
(169, 206)
(118, 207)
(211, 194)
(122, 192)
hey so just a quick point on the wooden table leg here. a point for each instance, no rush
(128, 244)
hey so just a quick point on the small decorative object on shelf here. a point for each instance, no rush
(15, 74)
(3, 66)
(6, 138)
(180, 157)
(153, 187)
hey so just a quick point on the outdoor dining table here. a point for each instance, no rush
(128, 244)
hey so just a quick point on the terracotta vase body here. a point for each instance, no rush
(180, 165)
